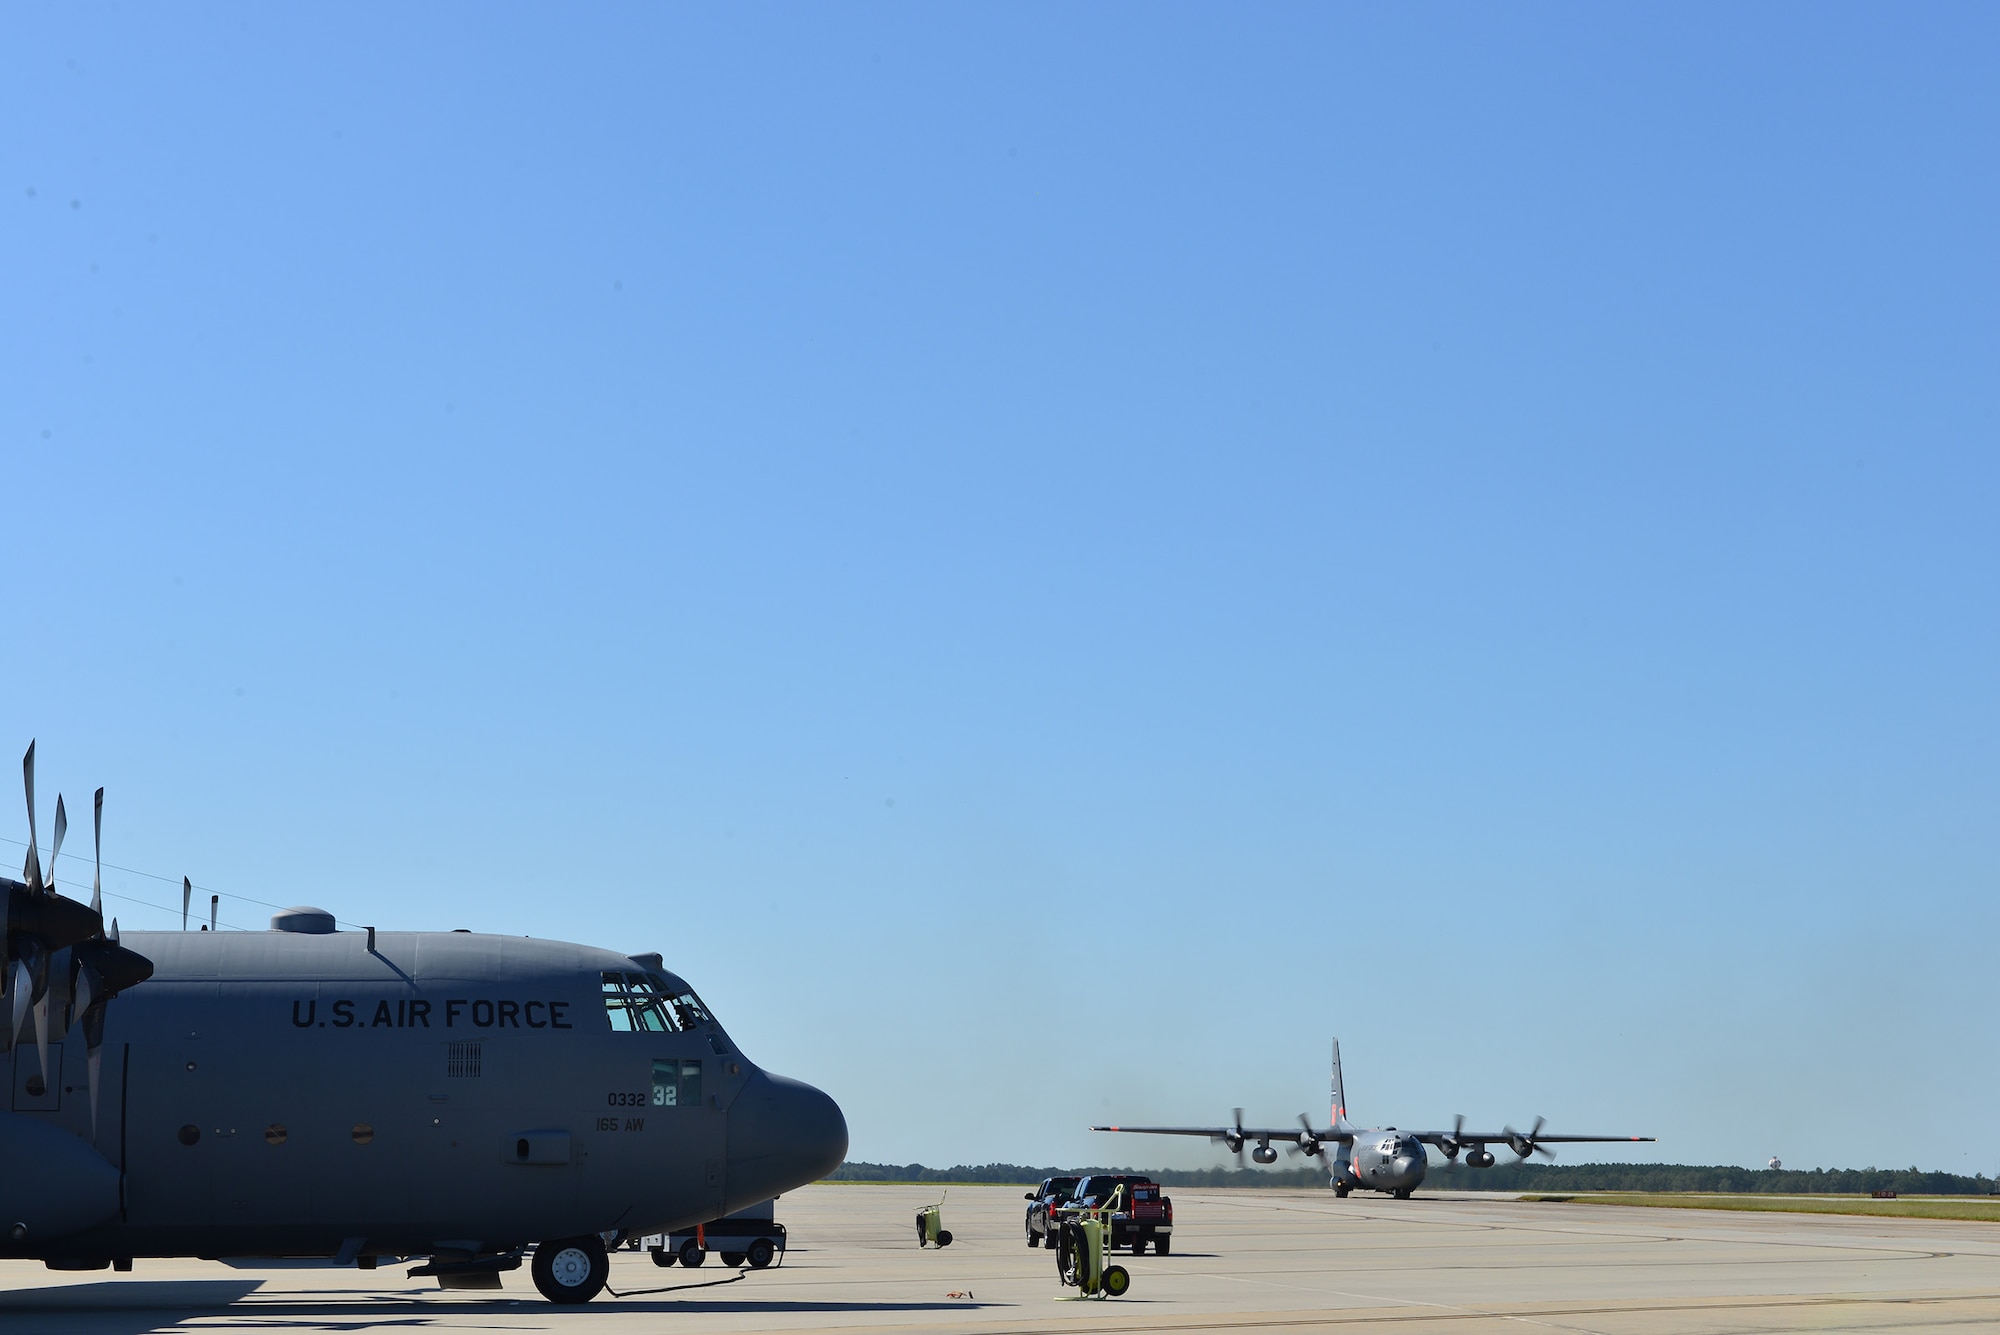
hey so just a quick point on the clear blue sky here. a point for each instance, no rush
(1053, 557)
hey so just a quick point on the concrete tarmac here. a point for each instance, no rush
(1287, 1261)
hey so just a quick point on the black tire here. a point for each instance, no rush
(1033, 1241)
(1117, 1279)
(692, 1255)
(661, 1256)
(1402, 1193)
(944, 1237)
(760, 1254)
(1138, 1244)
(571, 1270)
(1063, 1244)
(1341, 1191)
(731, 1258)
(1161, 1246)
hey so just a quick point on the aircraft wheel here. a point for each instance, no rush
(1162, 1246)
(760, 1253)
(1341, 1191)
(1402, 1193)
(661, 1256)
(1117, 1279)
(571, 1270)
(691, 1254)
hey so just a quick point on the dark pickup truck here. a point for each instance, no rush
(1044, 1201)
(1146, 1217)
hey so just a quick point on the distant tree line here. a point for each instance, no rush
(1508, 1177)
(1023, 1174)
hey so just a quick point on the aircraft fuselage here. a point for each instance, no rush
(1381, 1160)
(445, 1093)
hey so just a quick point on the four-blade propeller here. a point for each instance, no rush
(49, 938)
(1523, 1144)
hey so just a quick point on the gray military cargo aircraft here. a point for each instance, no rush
(1381, 1159)
(452, 1097)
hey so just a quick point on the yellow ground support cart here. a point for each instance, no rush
(1080, 1241)
(930, 1226)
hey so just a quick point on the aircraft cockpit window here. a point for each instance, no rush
(644, 1003)
(686, 1006)
(632, 1003)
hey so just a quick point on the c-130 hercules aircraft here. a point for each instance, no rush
(306, 1092)
(1382, 1159)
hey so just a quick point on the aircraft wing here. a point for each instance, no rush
(1504, 1137)
(1281, 1134)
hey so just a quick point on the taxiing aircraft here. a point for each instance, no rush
(1380, 1159)
(449, 1097)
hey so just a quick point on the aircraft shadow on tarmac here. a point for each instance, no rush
(140, 1307)
(130, 1307)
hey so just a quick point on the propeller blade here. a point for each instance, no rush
(93, 1037)
(97, 851)
(42, 1033)
(86, 986)
(55, 849)
(187, 893)
(33, 870)
(24, 985)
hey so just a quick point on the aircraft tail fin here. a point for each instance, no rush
(1339, 1091)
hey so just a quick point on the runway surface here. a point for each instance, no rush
(1280, 1261)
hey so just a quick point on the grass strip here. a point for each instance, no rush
(1907, 1207)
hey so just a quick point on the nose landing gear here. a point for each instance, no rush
(571, 1270)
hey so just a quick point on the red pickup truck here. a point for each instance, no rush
(1147, 1217)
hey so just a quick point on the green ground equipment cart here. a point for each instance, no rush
(1080, 1241)
(931, 1231)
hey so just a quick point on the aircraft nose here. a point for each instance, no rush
(782, 1134)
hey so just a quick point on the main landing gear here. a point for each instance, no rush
(571, 1270)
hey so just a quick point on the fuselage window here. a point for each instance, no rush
(676, 1084)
